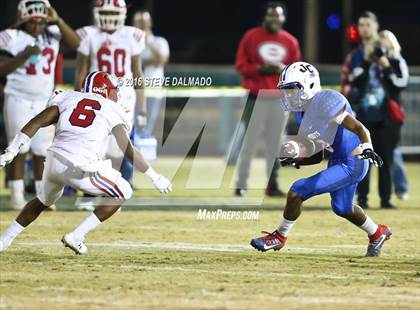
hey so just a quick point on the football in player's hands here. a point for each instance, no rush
(290, 149)
(162, 184)
(299, 148)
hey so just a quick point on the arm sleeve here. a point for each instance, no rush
(138, 42)
(6, 42)
(84, 41)
(397, 74)
(243, 62)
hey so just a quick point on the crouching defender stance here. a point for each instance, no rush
(325, 123)
(83, 121)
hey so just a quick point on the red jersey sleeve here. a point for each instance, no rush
(244, 63)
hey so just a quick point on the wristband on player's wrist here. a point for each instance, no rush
(152, 174)
(366, 146)
(18, 141)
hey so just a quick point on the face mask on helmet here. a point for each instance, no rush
(292, 96)
(110, 15)
(33, 9)
(299, 82)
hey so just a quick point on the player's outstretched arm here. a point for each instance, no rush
(366, 148)
(47, 117)
(136, 158)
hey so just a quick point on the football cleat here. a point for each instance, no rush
(377, 240)
(270, 241)
(77, 246)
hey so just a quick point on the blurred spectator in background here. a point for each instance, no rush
(262, 54)
(155, 56)
(373, 76)
(399, 175)
(397, 79)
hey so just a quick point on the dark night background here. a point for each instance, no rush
(208, 32)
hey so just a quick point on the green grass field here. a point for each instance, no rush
(163, 257)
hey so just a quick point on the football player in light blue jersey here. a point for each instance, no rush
(325, 122)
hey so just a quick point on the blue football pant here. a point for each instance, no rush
(340, 179)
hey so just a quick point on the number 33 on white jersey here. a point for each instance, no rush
(32, 81)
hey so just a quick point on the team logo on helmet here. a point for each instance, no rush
(299, 82)
(102, 84)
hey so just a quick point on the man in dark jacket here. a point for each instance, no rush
(370, 77)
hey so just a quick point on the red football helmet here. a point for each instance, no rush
(103, 84)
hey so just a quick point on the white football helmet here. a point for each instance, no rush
(110, 15)
(33, 9)
(299, 82)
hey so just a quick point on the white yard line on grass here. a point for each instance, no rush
(194, 246)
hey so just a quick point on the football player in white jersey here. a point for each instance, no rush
(83, 121)
(28, 54)
(110, 46)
